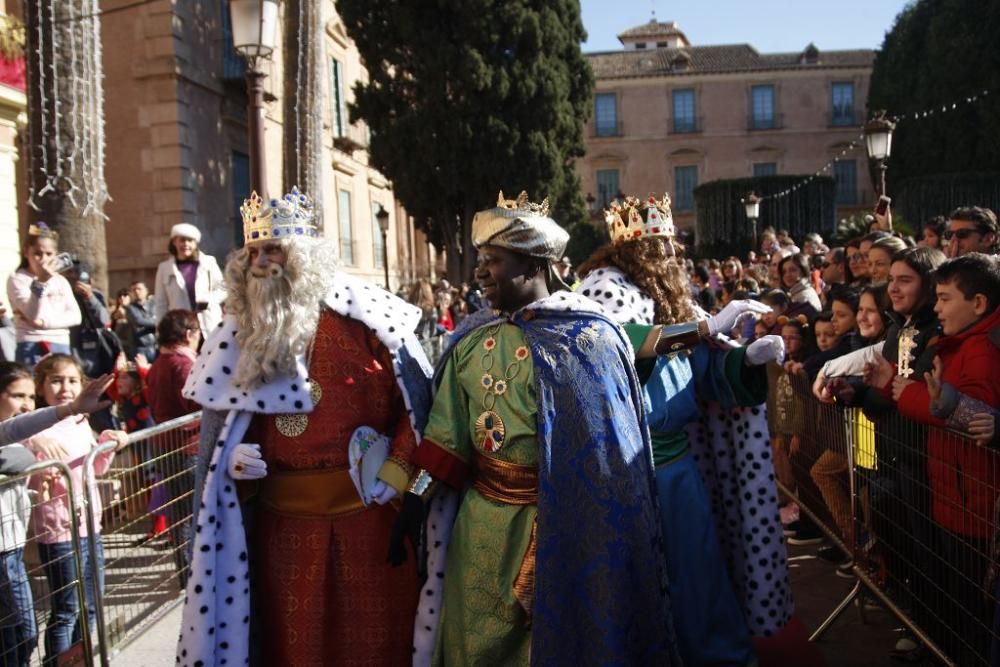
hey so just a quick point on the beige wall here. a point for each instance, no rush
(648, 152)
(173, 125)
(12, 106)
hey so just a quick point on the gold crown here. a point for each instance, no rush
(292, 215)
(521, 204)
(635, 219)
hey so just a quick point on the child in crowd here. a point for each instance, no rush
(785, 416)
(964, 477)
(20, 420)
(134, 414)
(779, 303)
(826, 334)
(42, 299)
(59, 381)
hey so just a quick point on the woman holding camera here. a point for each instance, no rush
(42, 300)
(190, 280)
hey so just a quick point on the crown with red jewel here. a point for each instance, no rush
(635, 218)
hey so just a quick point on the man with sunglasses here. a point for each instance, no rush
(834, 267)
(971, 229)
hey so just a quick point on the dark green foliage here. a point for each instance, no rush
(584, 238)
(722, 227)
(941, 52)
(466, 97)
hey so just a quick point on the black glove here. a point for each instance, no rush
(408, 523)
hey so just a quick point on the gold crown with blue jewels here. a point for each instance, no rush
(290, 216)
(634, 218)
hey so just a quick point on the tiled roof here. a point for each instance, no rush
(714, 60)
(652, 29)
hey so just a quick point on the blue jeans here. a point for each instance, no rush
(30, 354)
(64, 628)
(18, 641)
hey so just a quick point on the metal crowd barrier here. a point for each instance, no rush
(40, 585)
(926, 553)
(145, 572)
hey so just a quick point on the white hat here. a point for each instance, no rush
(186, 230)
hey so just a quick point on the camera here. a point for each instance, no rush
(62, 262)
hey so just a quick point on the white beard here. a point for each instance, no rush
(277, 324)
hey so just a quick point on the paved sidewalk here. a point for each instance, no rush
(155, 647)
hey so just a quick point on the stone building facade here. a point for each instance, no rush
(669, 116)
(177, 151)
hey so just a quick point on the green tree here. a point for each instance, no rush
(940, 52)
(466, 97)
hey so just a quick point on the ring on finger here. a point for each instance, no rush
(239, 467)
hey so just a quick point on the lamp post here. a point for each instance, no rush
(878, 141)
(255, 29)
(751, 204)
(382, 217)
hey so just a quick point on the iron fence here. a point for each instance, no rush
(913, 509)
(40, 583)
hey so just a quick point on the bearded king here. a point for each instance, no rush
(309, 370)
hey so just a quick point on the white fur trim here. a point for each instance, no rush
(440, 518)
(624, 302)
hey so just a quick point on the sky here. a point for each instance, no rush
(771, 26)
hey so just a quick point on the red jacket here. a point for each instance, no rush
(964, 477)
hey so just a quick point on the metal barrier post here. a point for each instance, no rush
(90, 488)
(153, 463)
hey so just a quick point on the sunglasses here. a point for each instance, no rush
(962, 234)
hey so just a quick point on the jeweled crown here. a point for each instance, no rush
(634, 218)
(292, 215)
(522, 204)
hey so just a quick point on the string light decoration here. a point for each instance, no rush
(860, 139)
(66, 148)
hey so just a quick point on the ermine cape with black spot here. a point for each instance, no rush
(216, 615)
(733, 451)
(601, 594)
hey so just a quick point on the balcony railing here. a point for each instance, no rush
(606, 129)
(686, 125)
(846, 118)
(772, 122)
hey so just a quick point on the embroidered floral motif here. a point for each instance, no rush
(500, 387)
(489, 343)
(521, 353)
(486, 381)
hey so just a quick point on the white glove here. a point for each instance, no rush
(246, 462)
(725, 320)
(765, 349)
(383, 493)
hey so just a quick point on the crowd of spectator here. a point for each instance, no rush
(60, 334)
(849, 314)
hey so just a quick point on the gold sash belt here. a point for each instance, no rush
(515, 485)
(506, 482)
(326, 492)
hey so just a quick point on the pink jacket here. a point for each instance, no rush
(50, 516)
(55, 306)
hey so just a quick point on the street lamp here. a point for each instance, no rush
(382, 217)
(751, 204)
(255, 30)
(878, 141)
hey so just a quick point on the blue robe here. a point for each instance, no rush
(601, 590)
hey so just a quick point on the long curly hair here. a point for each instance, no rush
(652, 266)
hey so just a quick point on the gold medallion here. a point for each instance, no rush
(292, 425)
(490, 431)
